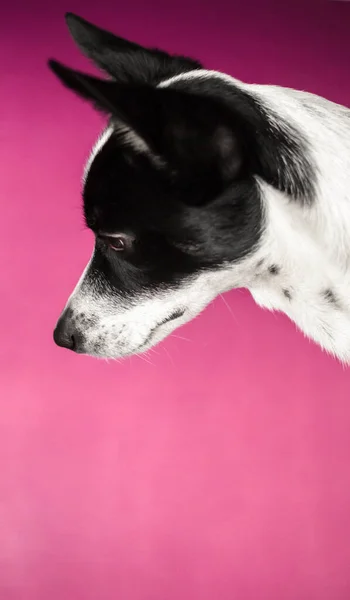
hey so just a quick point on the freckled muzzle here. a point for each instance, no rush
(89, 335)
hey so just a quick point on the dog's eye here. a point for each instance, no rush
(118, 243)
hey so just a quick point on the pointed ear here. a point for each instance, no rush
(194, 135)
(97, 91)
(123, 60)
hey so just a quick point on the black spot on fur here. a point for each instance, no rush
(287, 294)
(274, 270)
(97, 348)
(329, 295)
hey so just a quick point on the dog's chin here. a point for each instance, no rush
(115, 352)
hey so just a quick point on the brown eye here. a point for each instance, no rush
(117, 244)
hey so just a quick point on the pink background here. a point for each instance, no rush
(218, 468)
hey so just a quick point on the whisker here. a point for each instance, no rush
(117, 360)
(143, 357)
(153, 350)
(229, 308)
(180, 337)
(169, 356)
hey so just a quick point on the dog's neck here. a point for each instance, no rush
(302, 264)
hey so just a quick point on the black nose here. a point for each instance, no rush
(66, 335)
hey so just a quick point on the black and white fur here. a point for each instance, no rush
(199, 184)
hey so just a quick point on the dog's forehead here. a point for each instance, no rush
(122, 189)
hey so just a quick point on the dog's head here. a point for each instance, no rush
(169, 192)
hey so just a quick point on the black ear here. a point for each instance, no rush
(194, 135)
(123, 60)
(97, 91)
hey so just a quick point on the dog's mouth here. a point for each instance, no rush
(177, 314)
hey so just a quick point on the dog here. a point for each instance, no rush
(199, 184)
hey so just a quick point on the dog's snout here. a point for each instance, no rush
(66, 334)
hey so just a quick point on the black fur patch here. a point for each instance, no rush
(277, 152)
(123, 60)
(330, 297)
(178, 229)
(287, 294)
(274, 270)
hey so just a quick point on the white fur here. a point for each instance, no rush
(309, 244)
(102, 139)
(131, 139)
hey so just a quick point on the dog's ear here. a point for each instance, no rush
(99, 92)
(123, 60)
(191, 133)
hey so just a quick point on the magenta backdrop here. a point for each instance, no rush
(218, 470)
